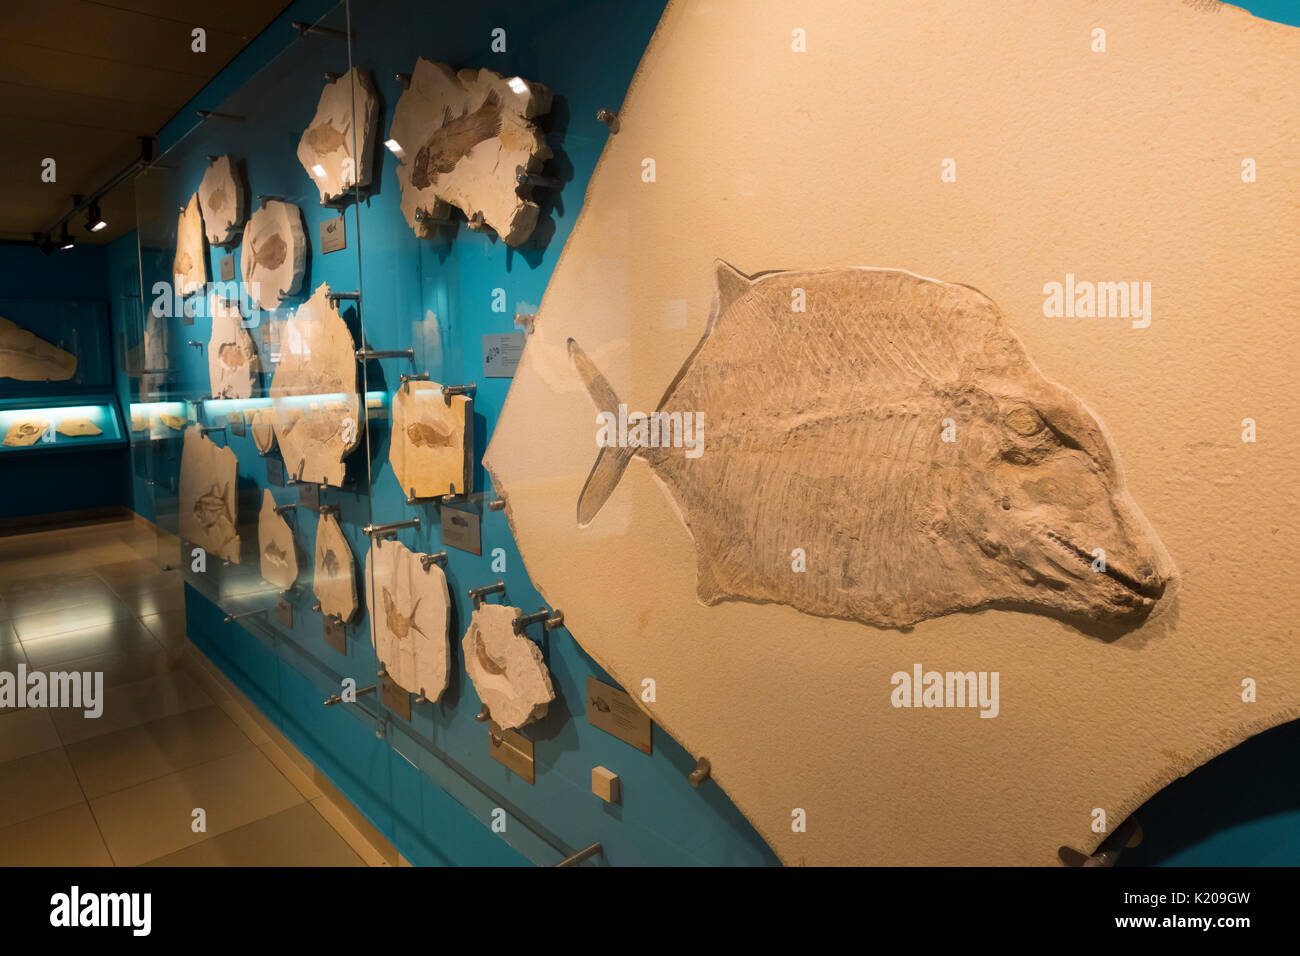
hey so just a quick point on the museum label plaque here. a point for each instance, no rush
(512, 750)
(396, 698)
(275, 472)
(501, 354)
(333, 235)
(615, 712)
(461, 530)
(284, 614)
(336, 634)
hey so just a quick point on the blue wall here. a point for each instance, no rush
(586, 52)
(48, 295)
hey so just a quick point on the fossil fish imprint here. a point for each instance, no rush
(401, 624)
(233, 355)
(276, 555)
(454, 139)
(327, 138)
(898, 433)
(329, 563)
(214, 505)
(429, 434)
(270, 254)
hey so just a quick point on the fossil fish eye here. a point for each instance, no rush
(1023, 420)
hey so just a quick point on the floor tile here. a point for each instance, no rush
(125, 636)
(36, 784)
(24, 732)
(123, 667)
(154, 819)
(78, 592)
(298, 836)
(67, 837)
(61, 620)
(154, 749)
(292, 772)
(132, 704)
(350, 833)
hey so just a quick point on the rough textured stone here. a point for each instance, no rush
(432, 443)
(274, 253)
(326, 149)
(507, 668)
(409, 618)
(79, 427)
(460, 137)
(26, 431)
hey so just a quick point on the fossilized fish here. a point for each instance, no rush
(896, 440)
(270, 254)
(213, 505)
(429, 434)
(276, 555)
(453, 140)
(330, 564)
(401, 624)
(327, 138)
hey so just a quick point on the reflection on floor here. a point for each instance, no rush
(123, 789)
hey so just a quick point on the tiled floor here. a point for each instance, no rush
(170, 749)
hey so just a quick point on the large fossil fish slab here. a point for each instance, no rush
(223, 200)
(461, 138)
(508, 671)
(335, 581)
(410, 611)
(233, 364)
(273, 254)
(190, 264)
(29, 358)
(837, 159)
(907, 461)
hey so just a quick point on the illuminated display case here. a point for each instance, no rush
(71, 423)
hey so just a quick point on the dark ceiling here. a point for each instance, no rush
(82, 80)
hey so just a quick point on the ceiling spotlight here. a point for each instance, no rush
(94, 221)
(66, 241)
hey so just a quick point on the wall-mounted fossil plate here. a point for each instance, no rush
(233, 365)
(29, 358)
(209, 496)
(314, 391)
(338, 146)
(223, 200)
(460, 138)
(507, 669)
(274, 253)
(190, 264)
(335, 583)
(277, 554)
(409, 617)
(432, 443)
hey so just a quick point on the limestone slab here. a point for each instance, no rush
(432, 444)
(209, 496)
(409, 618)
(78, 427)
(25, 432)
(460, 138)
(261, 424)
(273, 254)
(335, 583)
(507, 669)
(29, 358)
(314, 392)
(338, 146)
(233, 364)
(223, 200)
(277, 552)
(798, 710)
(190, 264)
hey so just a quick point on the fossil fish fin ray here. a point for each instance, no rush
(611, 461)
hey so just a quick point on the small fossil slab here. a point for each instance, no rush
(507, 668)
(273, 255)
(275, 546)
(233, 364)
(78, 428)
(327, 144)
(409, 617)
(29, 358)
(432, 445)
(209, 496)
(26, 432)
(261, 424)
(190, 265)
(223, 199)
(461, 137)
(335, 583)
(314, 391)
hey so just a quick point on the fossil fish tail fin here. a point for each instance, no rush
(611, 461)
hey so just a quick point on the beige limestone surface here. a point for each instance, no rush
(209, 496)
(1128, 165)
(277, 553)
(29, 358)
(273, 254)
(432, 444)
(223, 200)
(410, 611)
(190, 264)
(338, 146)
(335, 581)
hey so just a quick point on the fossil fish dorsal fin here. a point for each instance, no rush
(611, 460)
